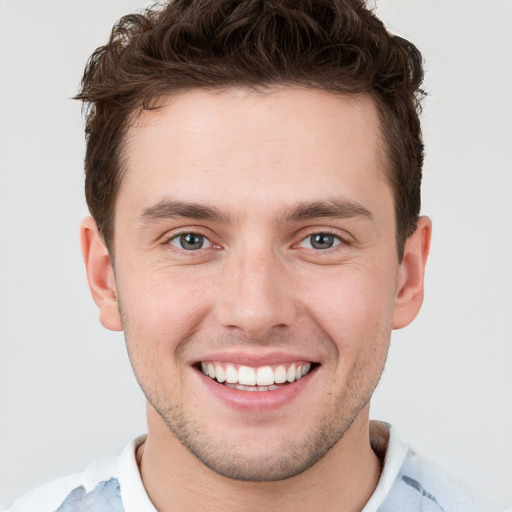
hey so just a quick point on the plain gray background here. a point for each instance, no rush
(67, 395)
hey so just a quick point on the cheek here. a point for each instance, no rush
(159, 315)
(162, 307)
(356, 309)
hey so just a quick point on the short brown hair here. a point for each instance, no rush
(335, 45)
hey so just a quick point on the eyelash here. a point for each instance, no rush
(339, 239)
(175, 236)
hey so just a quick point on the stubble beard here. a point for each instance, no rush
(292, 457)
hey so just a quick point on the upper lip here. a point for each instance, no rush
(255, 360)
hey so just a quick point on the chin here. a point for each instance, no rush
(236, 464)
(258, 458)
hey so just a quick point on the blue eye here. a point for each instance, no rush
(190, 242)
(320, 241)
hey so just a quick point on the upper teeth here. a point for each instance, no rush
(261, 376)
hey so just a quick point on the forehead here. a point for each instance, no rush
(242, 146)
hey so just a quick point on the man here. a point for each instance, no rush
(253, 173)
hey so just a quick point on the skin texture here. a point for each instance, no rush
(257, 288)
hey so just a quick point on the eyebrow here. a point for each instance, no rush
(333, 208)
(171, 209)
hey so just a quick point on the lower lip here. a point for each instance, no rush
(256, 401)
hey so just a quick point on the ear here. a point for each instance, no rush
(411, 273)
(100, 275)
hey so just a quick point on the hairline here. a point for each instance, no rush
(158, 101)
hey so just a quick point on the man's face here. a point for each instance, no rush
(255, 239)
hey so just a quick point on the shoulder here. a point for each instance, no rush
(112, 485)
(96, 488)
(415, 483)
(430, 488)
(98, 482)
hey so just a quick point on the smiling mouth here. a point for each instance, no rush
(262, 378)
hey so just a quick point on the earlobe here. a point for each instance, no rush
(410, 283)
(100, 275)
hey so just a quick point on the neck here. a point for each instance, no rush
(344, 479)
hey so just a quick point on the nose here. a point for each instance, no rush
(256, 295)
